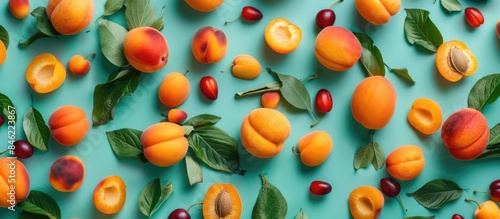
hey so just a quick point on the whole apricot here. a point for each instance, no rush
(264, 131)
(174, 89)
(454, 61)
(337, 48)
(209, 45)
(14, 182)
(19, 8)
(204, 5)
(67, 173)
(425, 116)
(45, 73)
(246, 67)
(164, 144)
(315, 147)
(146, 49)
(68, 125)
(405, 162)
(373, 102)
(366, 202)
(110, 194)
(70, 17)
(3, 53)
(176, 115)
(466, 134)
(377, 12)
(222, 200)
(79, 65)
(270, 99)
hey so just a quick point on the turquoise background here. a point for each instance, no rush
(285, 171)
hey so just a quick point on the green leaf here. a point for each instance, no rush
(153, 195)
(193, 171)
(402, 72)
(32, 39)
(420, 30)
(7, 106)
(4, 36)
(107, 96)
(293, 91)
(436, 193)
(158, 23)
(364, 156)
(270, 202)
(379, 157)
(371, 58)
(301, 215)
(111, 36)
(215, 148)
(485, 91)
(272, 86)
(38, 202)
(494, 135)
(37, 132)
(126, 143)
(495, 153)
(451, 5)
(139, 14)
(112, 6)
(203, 119)
(29, 215)
(43, 23)
(420, 217)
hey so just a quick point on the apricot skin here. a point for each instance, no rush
(3, 53)
(366, 202)
(69, 125)
(21, 184)
(337, 48)
(246, 67)
(67, 173)
(405, 162)
(164, 144)
(79, 65)
(174, 89)
(70, 17)
(425, 115)
(377, 12)
(315, 147)
(109, 195)
(270, 99)
(146, 49)
(465, 133)
(204, 5)
(19, 8)
(209, 45)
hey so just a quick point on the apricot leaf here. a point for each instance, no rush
(153, 195)
(4, 36)
(203, 119)
(294, 91)
(271, 86)
(158, 23)
(369, 154)
(126, 143)
(378, 156)
(43, 23)
(493, 153)
(37, 132)
(111, 36)
(420, 217)
(436, 193)
(301, 215)
(193, 170)
(7, 106)
(371, 58)
(494, 135)
(402, 72)
(420, 30)
(485, 91)
(29, 215)
(38, 202)
(451, 5)
(270, 202)
(112, 6)
(139, 13)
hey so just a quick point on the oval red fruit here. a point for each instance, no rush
(209, 88)
(390, 187)
(457, 216)
(251, 13)
(498, 28)
(320, 188)
(324, 102)
(474, 17)
(495, 190)
(325, 18)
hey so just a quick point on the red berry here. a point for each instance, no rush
(325, 18)
(457, 216)
(209, 88)
(251, 13)
(179, 213)
(495, 190)
(390, 187)
(23, 149)
(320, 188)
(324, 102)
(474, 17)
(2, 120)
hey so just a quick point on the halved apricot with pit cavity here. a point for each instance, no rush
(110, 194)
(425, 116)
(282, 36)
(45, 73)
(455, 61)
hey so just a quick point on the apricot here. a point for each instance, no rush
(146, 49)
(204, 5)
(3, 53)
(174, 89)
(282, 36)
(70, 17)
(68, 125)
(110, 194)
(164, 144)
(455, 61)
(337, 48)
(19, 8)
(14, 182)
(315, 147)
(209, 45)
(465, 133)
(373, 102)
(425, 116)
(176, 115)
(246, 67)
(80, 65)
(67, 173)
(264, 131)
(366, 202)
(405, 162)
(270, 99)
(45, 73)
(377, 12)
(222, 201)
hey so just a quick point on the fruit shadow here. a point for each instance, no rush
(442, 83)
(270, 55)
(185, 11)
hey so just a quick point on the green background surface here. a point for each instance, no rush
(285, 171)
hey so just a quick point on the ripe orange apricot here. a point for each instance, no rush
(454, 60)
(315, 147)
(425, 116)
(246, 67)
(45, 73)
(270, 99)
(19, 8)
(13, 174)
(69, 125)
(366, 202)
(337, 48)
(174, 89)
(282, 36)
(377, 12)
(3, 53)
(146, 49)
(79, 65)
(222, 201)
(70, 17)
(204, 5)
(209, 45)
(176, 115)
(373, 102)
(110, 194)
(67, 173)
(405, 162)
(164, 144)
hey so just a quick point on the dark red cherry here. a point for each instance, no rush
(251, 13)
(495, 190)
(179, 213)
(2, 120)
(457, 216)
(23, 149)
(390, 187)
(325, 18)
(320, 188)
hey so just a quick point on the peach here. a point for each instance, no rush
(264, 131)
(45, 73)
(176, 115)
(315, 147)
(174, 89)
(3, 53)
(110, 194)
(164, 144)
(67, 173)
(19, 8)
(465, 133)
(209, 45)
(68, 125)
(425, 116)
(204, 5)
(14, 182)
(246, 67)
(377, 12)
(270, 99)
(146, 49)
(405, 162)
(366, 202)
(70, 17)
(79, 65)
(337, 48)
(282, 36)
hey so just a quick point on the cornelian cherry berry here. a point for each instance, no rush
(251, 13)
(209, 88)
(320, 188)
(323, 101)
(179, 213)
(457, 216)
(474, 17)
(2, 120)
(23, 149)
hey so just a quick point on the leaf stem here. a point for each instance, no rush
(317, 122)
(372, 133)
(390, 69)
(314, 76)
(197, 203)
(32, 39)
(264, 180)
(402, 204)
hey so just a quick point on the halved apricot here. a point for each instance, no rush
(282, 36)
(455, 61)
(425, 116)
(110, 194)
(45, 73)
(3, 53)
(222, 201)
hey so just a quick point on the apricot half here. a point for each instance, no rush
(45, 73)
(69, 125)
(454, 60)
(425, 116)
(282, 36)
(146, 49)
(366, 202)
(164, 144)
(246, 67)
(110, 194)
(222, 201)
(69, 16)
(67, 173)
(405, 162)
(209, 45)
(377, 12)
(315, 147)
(337, 48)
(14, 182)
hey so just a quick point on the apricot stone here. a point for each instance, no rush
(70, 17)
(67, 173)
(204, 5)
(69, 125)
(366, 202)
(465, 133)
(174, 89)
(377, 12)
(405, 162)
(337, 48)
(164, 144)
(14, 182)
(19, 8)
(146, 49)
(315, 147)
(209, 45)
